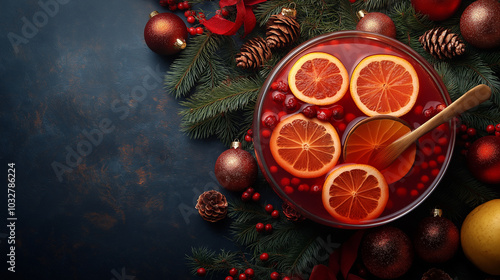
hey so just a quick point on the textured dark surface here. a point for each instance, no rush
(83, 80)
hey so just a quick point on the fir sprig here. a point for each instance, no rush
(222, 105)
(198, 60)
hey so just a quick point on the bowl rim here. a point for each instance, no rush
(434, 76)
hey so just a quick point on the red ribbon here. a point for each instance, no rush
(341, 260)
(244, 16)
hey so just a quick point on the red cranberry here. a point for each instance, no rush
(233, 272)
(291, 103)
(259, 227)
(269, 208)
(324, 114)
(278, 97)
(310, 111)
(275, 214)
(490, 129)
(245, 196)
(282, 86)
(264, 257)
(268, 228)
(256, 197)
(269, 120)
(338, 112)
(275, 275)
(201, 271)
(249, 272)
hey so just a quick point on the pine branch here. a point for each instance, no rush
(218, 112)
(197, 60)
(371, 5)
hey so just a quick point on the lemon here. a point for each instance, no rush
(480, 237)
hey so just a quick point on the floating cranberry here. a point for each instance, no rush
(291, 103)
(278, 97)
(310, 111)
(338, 112)
(324, 114)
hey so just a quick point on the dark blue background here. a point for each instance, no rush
(126, 207)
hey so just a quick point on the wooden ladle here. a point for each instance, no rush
(384, 156)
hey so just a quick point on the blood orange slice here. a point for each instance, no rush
(384, 85)
(354, 193)
(318, 78)
(306, 148)
(372, 134)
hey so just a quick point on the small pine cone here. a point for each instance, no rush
(212, 206)
(281, 31)
(291, 213)
(441, 43)
(436, 274)
(253, 54)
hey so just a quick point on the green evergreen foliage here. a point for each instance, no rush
(219, 99)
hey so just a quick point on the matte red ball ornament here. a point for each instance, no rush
(236, 169)
(387, 252)
(436, 239)
(376, 22)
(436, 9)
(483, 159)
(165, 33)
(480, 24)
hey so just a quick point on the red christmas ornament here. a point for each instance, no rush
(387, 252)
(436, 239)
(376, 22)
(483, 159)
(236, 169)
(436, 9)
(165, 33)
(480, 24)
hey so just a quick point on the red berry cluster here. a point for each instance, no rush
(430, 111)
(249, 135)
(293, 184)
(174, 5)
(281, 95)
(493, 129)
(250, 194)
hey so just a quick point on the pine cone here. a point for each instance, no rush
(290, 213)
(441, 43)
(212, 206)
(281, 31)
(253, 53)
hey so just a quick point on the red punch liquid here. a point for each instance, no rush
(433, 149)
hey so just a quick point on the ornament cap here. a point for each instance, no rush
(153, 13)
(180, 44)
(289, 12)
(361, 14)
(236, 144)
(436, 212)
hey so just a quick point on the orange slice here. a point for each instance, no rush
(354, 193)
(375, 133)
(318, 78)
(384, 85)
(306, 148)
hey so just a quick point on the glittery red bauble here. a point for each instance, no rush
(236, 169)
(165, 33)
(378, 23)
(436, 239)
(483, 159)
(387, 252)
(480, 24)
(436, 9)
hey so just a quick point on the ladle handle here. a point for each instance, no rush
(468, 100)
